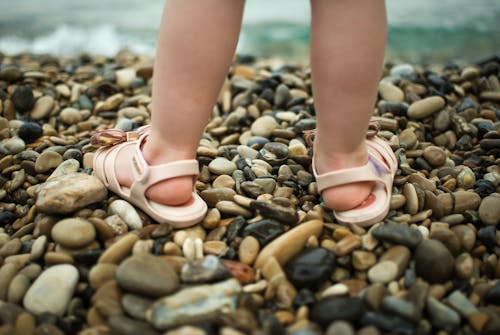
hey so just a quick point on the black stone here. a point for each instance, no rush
(388, 323)
(467, 103)
(235, 228)
(7, 217)
(398, 234)
(310, 268)
(23, 98)
(70, 324)
(30, 132)
(433, 261)
(333, 309)
(483, 127)
(88, 257)
(395, 108)
(264, 230)
(304, 297)
(484, 187)
(464, 142)
(287, 215)
(122, 325)
(487, 236)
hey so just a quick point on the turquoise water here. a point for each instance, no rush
(419, 30)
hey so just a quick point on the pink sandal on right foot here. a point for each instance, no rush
(111, 142)
(380, 169)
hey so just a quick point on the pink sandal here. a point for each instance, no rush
(380, 169)
(111, 142)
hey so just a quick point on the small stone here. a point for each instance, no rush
(7, 272)
(70, 116)
(310, 268)
(264, 126)
(493, 295)
(340, 328)
(12, 146)
(195, 304)
(398, 254)
(119, 250)
(127, 213)
(213, 196)
(125, 77)
(264, 230)
(148, 275)
(101, 273)
(25, 324)
(383, 272)
(289, 244)
(23, 98)
(248, 250)
(363, 260)
(331, 309)
(222, 166)
(206, 270)
(478, 321)
(425, 107)
(465, 235)
(433, 261)
(11, 247)
(434, 155)
(390, 92)
(442, 317)
(17, 288)
(73, 233)
(287, 215)
(374, 294)
(408, 138)
(398, 234)
(47, 160)
(399, 307)
(42, 108)
(68, 166)
(68, 193)
(30, 131)
(52, 290)
(466, 178)
(489, 210)
(136, 305)
(459, 302)
(231, 208)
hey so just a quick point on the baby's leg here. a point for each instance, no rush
(196, 44)
(347, 51)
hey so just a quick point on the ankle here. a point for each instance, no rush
(332, 159)
(157, 151)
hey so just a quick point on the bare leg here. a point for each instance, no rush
(347, 50)
(196, 44)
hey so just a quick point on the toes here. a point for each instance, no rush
(175, 191)
(346, 197)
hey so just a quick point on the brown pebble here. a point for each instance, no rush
(57, 258)
(119, 250)
(25, 324)
(363, 260)
(248, 250)
(101, 273)
(347, 244)
(374, 295)
(478, 320)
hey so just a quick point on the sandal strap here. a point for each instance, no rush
(146, 175)
(368, 172)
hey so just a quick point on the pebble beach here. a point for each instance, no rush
(269, 257)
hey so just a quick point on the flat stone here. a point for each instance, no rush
(465, 235)
(434, 155)
(460, 303)
(69, 193)
(214, 195)
(442, 317)
(17, 288)
(136, 305)
(232, 208)
(383, 272)
(222, 166)
(390, 92)
(248, 250)
(425, 107)
(7, 272)
(400, 307)
(127, 213)
(47, 160)
(195, 304)
(464, 266)
(287, 215)
(101, 273)
(52, 290)
(264, 126)
(398, 254)
(68, 166)
(264, 230)
(70, 116)
(363, 260)
(120, 324)
(289, 244)
(206, 270)
(42, 108)
(398, 234)
(12, 146)
(331, 309)
(119, 250)
(12, 247)
(73, 233)
(148, 275)
(433, 261)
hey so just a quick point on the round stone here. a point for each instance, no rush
(12, 146)
(383, 272)
(310, 268)
(30, 132)
(434, 155)
(23, 98)
(264, 126)
(433, 261)
(248, 250)
(52, 290)
(148, 275)
(73, 233)
(390, 92)
(47, 160)
(425, 107)
(43, 107)
(222, 165)
(489, 210)
(70, 116)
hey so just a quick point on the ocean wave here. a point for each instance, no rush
(68, 40)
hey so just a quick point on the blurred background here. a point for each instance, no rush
(419, 30)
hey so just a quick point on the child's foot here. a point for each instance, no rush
(173, 192)
(348, 196)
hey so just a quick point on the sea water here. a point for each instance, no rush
(419, 30)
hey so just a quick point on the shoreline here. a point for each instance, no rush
(268, 258)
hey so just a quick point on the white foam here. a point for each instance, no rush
(68, 40)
